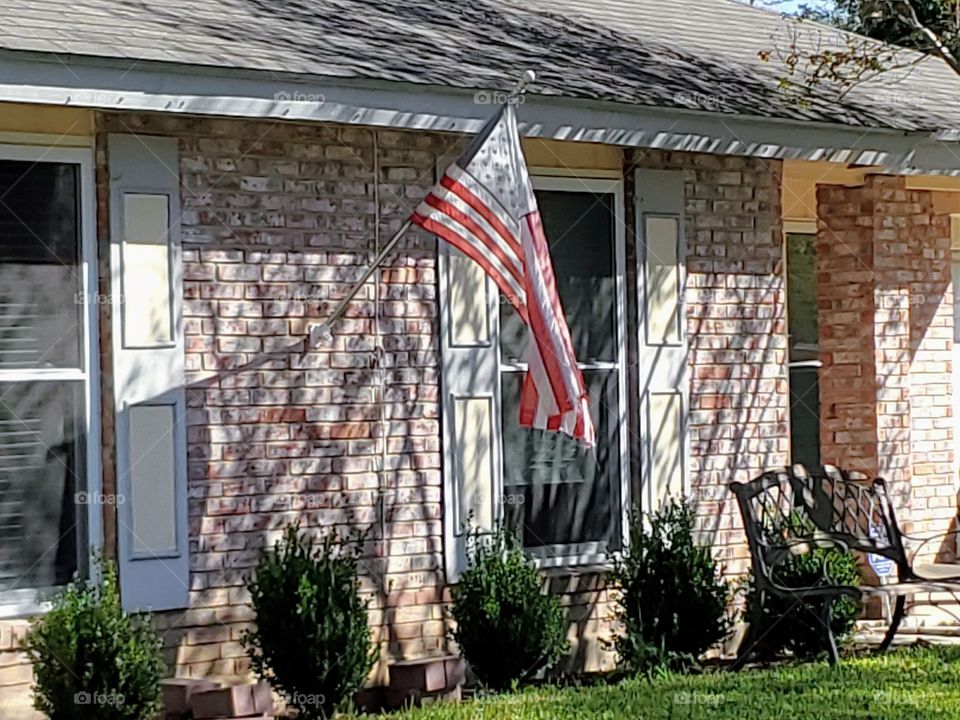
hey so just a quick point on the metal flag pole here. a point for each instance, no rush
(324, 330)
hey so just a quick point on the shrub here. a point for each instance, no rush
(506, 627)
(793, 623)
(312, 639)
(91, 660)
(672, 601)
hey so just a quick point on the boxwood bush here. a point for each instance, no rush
(312, 639)
(793, 622)
(507, 628)
(672, 600)
(93, 661)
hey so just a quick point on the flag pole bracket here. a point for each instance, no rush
(520, 88)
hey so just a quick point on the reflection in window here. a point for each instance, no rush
(557, 494)
(40, 284)
(804, 351)
(42, 385)
(580, 231)
(41, 482)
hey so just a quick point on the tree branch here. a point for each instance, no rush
(911, 19)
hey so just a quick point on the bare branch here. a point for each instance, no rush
(830, 61)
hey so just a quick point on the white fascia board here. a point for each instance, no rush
(165, 87)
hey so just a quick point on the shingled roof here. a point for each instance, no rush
(689, 54)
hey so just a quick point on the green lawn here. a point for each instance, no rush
(906, 684)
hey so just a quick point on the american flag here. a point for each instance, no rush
(485, 207)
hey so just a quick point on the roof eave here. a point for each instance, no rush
(150, 86)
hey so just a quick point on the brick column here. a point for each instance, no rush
(885, 310)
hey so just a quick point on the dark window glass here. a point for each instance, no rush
(804, 351)
(579, 229)
(41, 318)
(556, 493)
(42, 418)
(41, 482)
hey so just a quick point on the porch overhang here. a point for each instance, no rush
(149, 86)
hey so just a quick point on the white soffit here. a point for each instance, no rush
(164, 87)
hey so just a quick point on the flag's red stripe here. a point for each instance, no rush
(465, 194)
(468, 222)
(578, 428)
(563, 332)
(543, 258)
(548, 355)
(468, 249)
(529, 400)
(546, 342)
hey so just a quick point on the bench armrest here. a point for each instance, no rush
(919, 542)
(801, 546)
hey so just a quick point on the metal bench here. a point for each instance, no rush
(794, 510)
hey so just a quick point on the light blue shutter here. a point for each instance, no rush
(663, 351)
(471, 403)
(148, 369)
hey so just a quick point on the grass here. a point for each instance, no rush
(908, 683)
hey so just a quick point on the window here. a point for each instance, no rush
(46, 521)
(804, 349)
(565, 501)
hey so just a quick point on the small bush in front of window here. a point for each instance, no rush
(507, 628)
(93, 661)
(794, 622)
(311, 640)
(671, 599)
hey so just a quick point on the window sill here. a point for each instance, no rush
(577, 568)
(24, 604)
(591, 561)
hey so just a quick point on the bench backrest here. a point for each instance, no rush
(784, 510)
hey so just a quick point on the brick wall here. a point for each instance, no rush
(845, 317)
(736, 325)
(16, 675)
(886, 324)
(278, 220)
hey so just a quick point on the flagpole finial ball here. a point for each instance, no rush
(529, 76)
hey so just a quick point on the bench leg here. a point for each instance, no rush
(746, 648)
(898, 613)
(826, 617)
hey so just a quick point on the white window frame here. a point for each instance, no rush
(596, 182)
(29, 601)
(955, 282)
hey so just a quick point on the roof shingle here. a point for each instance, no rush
(689, 54)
